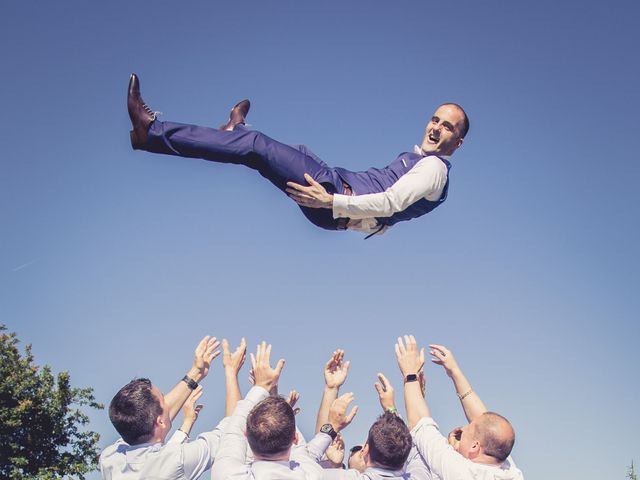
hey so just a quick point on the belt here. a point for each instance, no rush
(342, 223)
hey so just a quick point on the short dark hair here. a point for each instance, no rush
(496, 435)
(465, 121)
(271, 426)
(133, 411)
(389, 441)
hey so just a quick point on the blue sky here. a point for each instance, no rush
(114, 263)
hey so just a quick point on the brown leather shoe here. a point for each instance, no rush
(237, 115)
(140, 114)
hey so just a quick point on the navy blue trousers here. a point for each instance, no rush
(277, 162)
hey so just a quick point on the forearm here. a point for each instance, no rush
(471, 403)
(233, 391)
(328, 396)
(187, 425)
(415, 403)
(175, 398)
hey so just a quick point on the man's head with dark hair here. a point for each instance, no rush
(271, 427)
(136, 410)
(446, 130)
(488, 436)
(389, 442)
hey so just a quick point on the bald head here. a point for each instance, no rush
(496, 435)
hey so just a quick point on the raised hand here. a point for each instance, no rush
(233, 361)
(385, 393)
(338, 417)
(191, 408)
(410, 359)
(265, 376)
(205, 352)
(292, 399)
(312, 196)
(335, 451)
(335, 370)
(443, 356)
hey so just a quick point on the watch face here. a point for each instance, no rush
(412, 377)
(328, 429)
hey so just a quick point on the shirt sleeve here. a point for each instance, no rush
(426, 179)
(231, 456)
(178, 437)
(441, 458)
(199, 454)
(312, 450)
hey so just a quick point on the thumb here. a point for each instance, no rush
(378, 388)
(354, 410)
(279, 366)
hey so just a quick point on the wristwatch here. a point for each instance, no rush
(412, 377)
(328, 429)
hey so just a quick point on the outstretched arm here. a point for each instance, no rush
(231, 455)
(233, 362)
(471, 402)
(205, 352)
(335, 374)
(410, 361)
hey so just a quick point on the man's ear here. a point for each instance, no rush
(459, 142)
(365, 452)
(296, 439)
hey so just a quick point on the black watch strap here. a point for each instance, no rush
(191, 383)
(328, 429)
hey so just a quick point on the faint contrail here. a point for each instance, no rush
(24, 265)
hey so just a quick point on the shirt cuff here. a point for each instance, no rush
(340, 205)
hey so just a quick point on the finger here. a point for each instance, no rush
(401, 346)
(422, 355)
(437, 353)
(199, 408)
(353, 413)
(267, 356)
(253, 362)
(225, 346)
(441, 348)
(408, 343)
(384, 381)
(311, 181)
(437, 362)
(243, 346)
(345, 367)
(279, 366)
(195, 396)
(214, 355)
(200, 346)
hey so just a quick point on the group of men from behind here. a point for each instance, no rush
(258, 437)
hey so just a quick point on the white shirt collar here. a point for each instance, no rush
(418, 150)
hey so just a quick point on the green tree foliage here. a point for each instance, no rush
(41, 424)
(631, 472)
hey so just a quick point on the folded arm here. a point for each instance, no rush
(426, 179)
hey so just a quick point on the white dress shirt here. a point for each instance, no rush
(414, 468)
(426, 179)
(448, 464)
(231, 456)
(171, 461)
